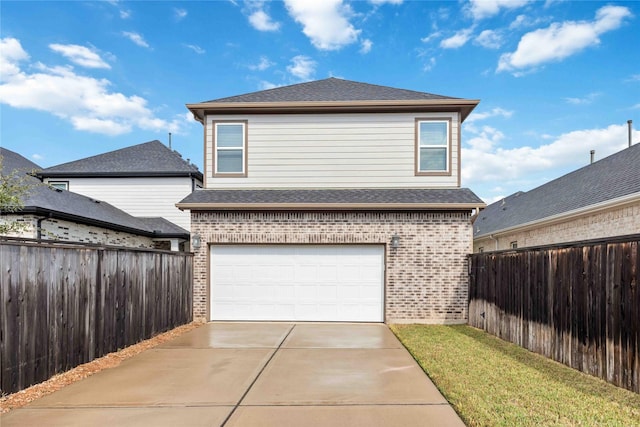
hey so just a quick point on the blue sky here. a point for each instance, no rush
(556, 79)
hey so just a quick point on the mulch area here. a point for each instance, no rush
(111, 360)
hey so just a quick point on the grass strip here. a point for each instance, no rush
(491, 382)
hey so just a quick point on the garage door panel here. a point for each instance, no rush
(297, 282)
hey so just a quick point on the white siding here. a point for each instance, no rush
(332, 151)
(153, 197)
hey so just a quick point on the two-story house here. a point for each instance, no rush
(50, 213)
(144, 180)
(332, 200)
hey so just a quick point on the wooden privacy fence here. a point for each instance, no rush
(578, 305)
(67, 305)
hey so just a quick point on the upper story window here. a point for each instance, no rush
(230, 148)
(63, 185)
(433, 146)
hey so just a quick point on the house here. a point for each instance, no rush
(332, 200)
(597, 201)
(51, 213)
(144, 180)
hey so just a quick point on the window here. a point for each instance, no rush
(63, 185)
(514, 245)
(481, 249)
(230, 148)
(432, 147)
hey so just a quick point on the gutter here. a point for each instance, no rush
(608, 204)
(328, 206)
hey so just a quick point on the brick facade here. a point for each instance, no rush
(607, 223)
(56, 229)
(426, 277)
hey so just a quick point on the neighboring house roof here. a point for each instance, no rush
(614, 179)
(333, 95)
(56, 203)
(151, 158)
(329, 199)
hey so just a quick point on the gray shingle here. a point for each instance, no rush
(332, 89)
(612, 177)
(338, 196)
(45, 200)
(151, 158)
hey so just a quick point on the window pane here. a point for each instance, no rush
(229, 135)
(433, 159)
(229, 161)
(433, 133)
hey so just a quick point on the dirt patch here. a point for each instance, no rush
(111, 360)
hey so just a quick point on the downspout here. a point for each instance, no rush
(496, 240)
(39, 226)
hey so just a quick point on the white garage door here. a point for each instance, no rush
(297, 282)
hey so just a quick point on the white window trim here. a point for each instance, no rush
(243, 173)
(448, 160)
(62, 185)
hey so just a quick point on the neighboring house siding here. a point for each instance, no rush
(56, 229)
(426, 277)
(607, 223)
(332, 151)
(150, 196)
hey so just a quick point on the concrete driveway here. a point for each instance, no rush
(255, 374)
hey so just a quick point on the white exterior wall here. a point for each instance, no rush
(332, 151)
(152, 196)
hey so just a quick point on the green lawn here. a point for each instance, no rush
(491, 382)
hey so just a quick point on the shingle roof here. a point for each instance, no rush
(611, 178)
(43, 199)
(331, 89)
(151, 158)
(372, 198)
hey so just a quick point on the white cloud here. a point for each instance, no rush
(180, 14)
(428, 66)
(262, 65)
(489, 39)
(37, 156)
(495, 112)
(125, 14)
(80, 55)
(302, 67)
(379, 2)
(480, 9)
(325, 22)
(86, 102)
(561, 40)
(431, 36)
(263, 22)
(136, 38)
(588, 99)
(484, 160)
(264, 85)
(365, 46)
(197, 49)
(11, 54)
(459, 39)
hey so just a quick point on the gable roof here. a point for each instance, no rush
(613, 179)
(151, 158)
(56, 203)
(333, 199)
(333, 95)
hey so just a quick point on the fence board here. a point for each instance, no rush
(62, 305)
(579, 305)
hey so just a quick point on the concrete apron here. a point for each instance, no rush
(255, 374)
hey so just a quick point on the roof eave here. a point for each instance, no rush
(44, 174)
(564, 216)
(464, 106)
(330, 206)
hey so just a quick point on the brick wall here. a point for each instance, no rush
(607, 223)
(55, 229)
(426, 278)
